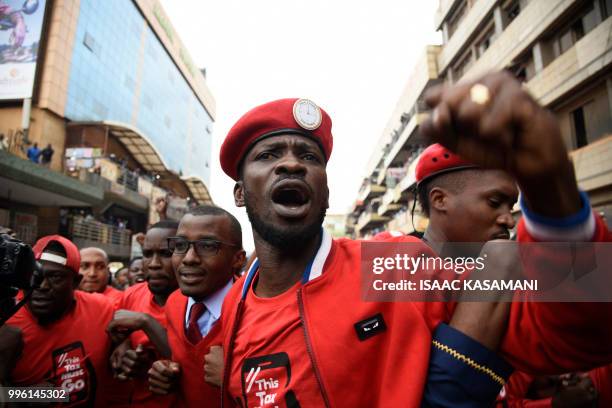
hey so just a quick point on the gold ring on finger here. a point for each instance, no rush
(480, 94)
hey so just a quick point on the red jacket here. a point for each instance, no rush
(393, 364)
(193, 390)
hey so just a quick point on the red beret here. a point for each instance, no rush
(297, 116)
(437, 159)
(72, 260)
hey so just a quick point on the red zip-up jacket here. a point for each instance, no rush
(193, 390)
(390, 369)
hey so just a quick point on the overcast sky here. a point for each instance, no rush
(352, 58)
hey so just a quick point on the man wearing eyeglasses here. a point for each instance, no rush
(64, 343)
(207, 252)
(142, 306)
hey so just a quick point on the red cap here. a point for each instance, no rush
(297, 116)
(72, 260)
(437, 159)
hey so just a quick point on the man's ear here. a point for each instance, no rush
(438, 199)
(239, 194)
(238, 261)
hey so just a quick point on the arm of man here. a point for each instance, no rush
(494, 123)
(125, 322)
(464, 367)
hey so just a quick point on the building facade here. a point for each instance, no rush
(559, 49)
(128, 116)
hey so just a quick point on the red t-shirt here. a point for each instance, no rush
(270, 365)
(71, 352)
(139, 298)
(114, 294)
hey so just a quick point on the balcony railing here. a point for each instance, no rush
(90, 232)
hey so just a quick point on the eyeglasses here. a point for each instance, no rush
(203, 247)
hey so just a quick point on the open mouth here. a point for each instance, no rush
(291, 198)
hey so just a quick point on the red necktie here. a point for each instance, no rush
(193, 330)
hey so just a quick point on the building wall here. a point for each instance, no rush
(160, 22)
(597, 112)
(562, 52)
(121, 72)
(53, 88)
(45, 127)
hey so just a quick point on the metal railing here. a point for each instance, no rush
(96, 231)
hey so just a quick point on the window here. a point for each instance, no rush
(576, 30)
(455, 18)
(485, 42)
(580, 134)
(90, 43)
(147, 101)
(511, 10)
(129, 83)
(606, 8)
(465, 62)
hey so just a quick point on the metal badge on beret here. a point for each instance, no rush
(307, 114)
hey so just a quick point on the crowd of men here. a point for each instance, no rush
(183, 328)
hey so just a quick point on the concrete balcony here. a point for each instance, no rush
(520, 34)
(371, 191)
(403, 222)
(444, 6)
(369, 220)
(470, 23)
(30, 183)
(389, 202)
(410, 179)
(593, 165)
(590, 56)
(424, 74)
(86, 233)
(115, 192)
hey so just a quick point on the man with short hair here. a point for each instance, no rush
(46, 155)
(294, 325)
(96, 275)
(207, 252)
(64, 330)
(121, 279)
(142, 304)
(33, 153)
(136, 273)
